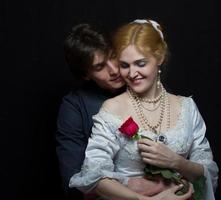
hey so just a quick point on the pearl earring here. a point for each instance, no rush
(158, 79)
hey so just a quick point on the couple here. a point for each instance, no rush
(113, 164)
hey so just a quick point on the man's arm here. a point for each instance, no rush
(111, 189)
(71, 144)
(147, 187)
(71, 140)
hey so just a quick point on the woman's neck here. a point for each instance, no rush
(153, 93)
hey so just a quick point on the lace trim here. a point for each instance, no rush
(178, 141)
(111, 118)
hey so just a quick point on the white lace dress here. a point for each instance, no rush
(111, 154)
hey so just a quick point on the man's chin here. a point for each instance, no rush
(116, 86)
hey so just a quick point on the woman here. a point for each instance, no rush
(173, 123)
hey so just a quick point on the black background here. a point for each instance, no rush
(34, 77)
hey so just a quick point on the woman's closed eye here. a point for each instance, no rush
(140, 63)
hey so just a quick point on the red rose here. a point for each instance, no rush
(129, 127)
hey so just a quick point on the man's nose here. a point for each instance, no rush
(112, 67)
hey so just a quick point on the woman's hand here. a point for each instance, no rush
(158, 154)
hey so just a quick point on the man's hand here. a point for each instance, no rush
(148, 187)
(91, 196)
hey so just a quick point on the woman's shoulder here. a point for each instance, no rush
(185, 105)
(179, 99)
(180, 104)
(115, 105)
(109, 113)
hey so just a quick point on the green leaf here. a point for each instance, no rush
(166, 173)
(180, 192)
(136, 137)
(198, 186)
(147, 170)
(155, 172)
(176, 175)
(185, 187)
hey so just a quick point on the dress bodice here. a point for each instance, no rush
(111, 154)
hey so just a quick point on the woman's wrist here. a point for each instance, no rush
(178, 163)
(188, 169)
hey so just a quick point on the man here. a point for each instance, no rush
(88, 54)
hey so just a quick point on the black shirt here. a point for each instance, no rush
(74, 126)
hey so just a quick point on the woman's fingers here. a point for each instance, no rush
(145, 141)
(147, 155)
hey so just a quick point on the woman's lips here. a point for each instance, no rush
(136, 81)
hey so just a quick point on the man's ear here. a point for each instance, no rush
(86, 78)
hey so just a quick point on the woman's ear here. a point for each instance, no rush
(161, 60)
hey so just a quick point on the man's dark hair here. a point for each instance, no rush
(80, 46)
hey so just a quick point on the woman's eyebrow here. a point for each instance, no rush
(142, 59)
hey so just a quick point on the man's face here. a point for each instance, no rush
(105, 73)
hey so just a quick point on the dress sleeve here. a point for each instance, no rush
(201, 152)
(102, 147)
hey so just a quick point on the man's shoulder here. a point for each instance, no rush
(84, 100)
(77, 94)
(71, 97)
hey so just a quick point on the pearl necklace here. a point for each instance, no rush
(155, 100)
(164, 101)
(151, 109)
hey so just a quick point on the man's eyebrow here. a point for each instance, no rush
(99, 64)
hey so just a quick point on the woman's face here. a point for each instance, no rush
(138, 71)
